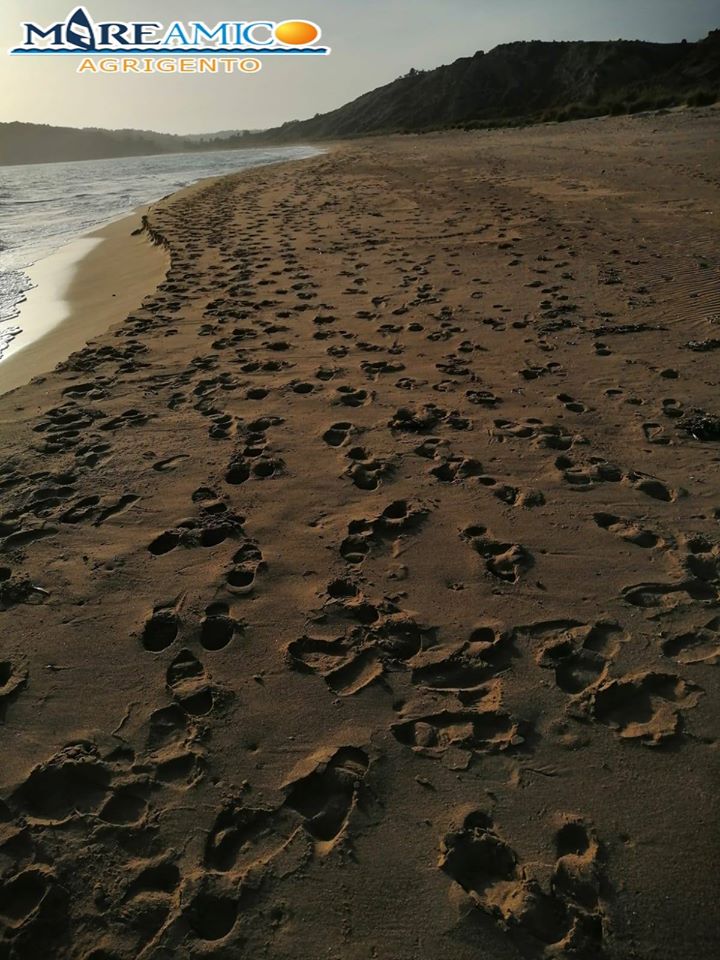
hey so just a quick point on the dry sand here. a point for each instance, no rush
(360, 589)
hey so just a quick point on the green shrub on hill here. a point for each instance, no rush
(702, 98)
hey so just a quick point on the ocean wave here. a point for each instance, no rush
(28, 203)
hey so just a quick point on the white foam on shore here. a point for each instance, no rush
(81, 291)
(46, 304)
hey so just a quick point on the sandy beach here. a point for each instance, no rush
(360, 586)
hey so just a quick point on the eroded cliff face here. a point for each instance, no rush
(525, 81)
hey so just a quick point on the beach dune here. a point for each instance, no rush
(360, 587)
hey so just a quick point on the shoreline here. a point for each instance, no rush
(90, 284)
(80, 292)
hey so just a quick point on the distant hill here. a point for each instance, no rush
(218, 135)
(527, 82)
(514, 83)
(40, 143)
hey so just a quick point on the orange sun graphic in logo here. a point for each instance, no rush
(297, 33)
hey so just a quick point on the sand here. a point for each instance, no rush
(360, 587)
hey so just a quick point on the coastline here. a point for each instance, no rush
(375, 560)
(89, 285)
(80, 292)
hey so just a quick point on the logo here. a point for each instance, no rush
(177, 47)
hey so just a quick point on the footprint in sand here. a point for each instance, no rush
(702, 561)
(652, 487)
(445, 728)
(455, 469)
(578, 653)
(32, 900)
(217, 628)
(584, 476)
(252, 461)
(66, 426)
(373, 369)
(352, 642)
(352, 396)
(189, 685)
(13, 678)
(88, 391)
(398, 518)
(223, 426)
(245, 838)
(16, 588)
(130, 418)
(365, 471)
(631, 532)
(701, 645)
(95, 508)
(648, 707)
(253, 465)
(426, 418)
(161, 629)
(326, 791)
(72, 783)
(563, 913)
(572, 405)
(247, 562)
(505, 561)
(464, 668)
(339, 433)
(542, 435)
(666, 596)
(483, 398)
(214, 526)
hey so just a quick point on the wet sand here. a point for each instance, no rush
(360, 589)
(79, 292)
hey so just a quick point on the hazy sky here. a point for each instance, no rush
(373, 42)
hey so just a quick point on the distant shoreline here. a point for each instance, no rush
(4, 165)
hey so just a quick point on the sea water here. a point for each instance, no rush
(43, 206)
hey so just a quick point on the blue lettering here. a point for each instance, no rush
(202, 32)
(33, 30)
(110, 32)
(249, 35)
(176, 34)
(141, 29)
